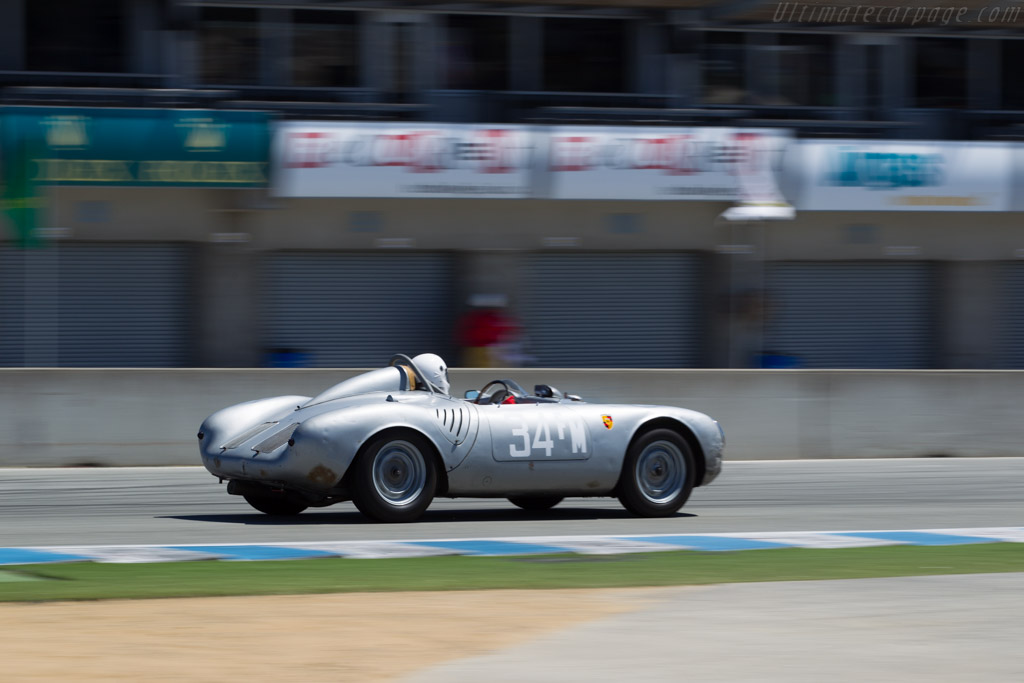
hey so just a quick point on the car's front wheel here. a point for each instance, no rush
(657, 475)
(535, 503)
(395, 477)
(276, 506)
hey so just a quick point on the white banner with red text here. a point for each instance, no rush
(325, 159)
(711, 164)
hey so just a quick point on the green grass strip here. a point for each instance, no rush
(16, 576)
(95, 581)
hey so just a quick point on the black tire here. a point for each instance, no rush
(535, 503)
(395, 477)
(277, 506)
(657, 474)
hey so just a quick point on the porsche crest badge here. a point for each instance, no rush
(607, 419)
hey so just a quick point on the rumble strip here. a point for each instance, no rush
(520, 545)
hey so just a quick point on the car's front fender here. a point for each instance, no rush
(226, 425)
(315, 455)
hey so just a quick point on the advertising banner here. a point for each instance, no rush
(854, 175)
(150, 147)
(323, 159)
(723, 164)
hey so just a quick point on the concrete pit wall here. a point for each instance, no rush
(62, 417)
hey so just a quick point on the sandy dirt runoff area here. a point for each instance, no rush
(336, 637)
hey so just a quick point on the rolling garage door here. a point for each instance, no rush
(92, 305)
(851, 315)
(1010, 342)
(356, 310)
(613, 310)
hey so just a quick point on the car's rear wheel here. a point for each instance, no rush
(535, 503)
(395, 477)
(277, 506)
(657, 475)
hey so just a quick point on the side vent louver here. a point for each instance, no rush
(454, 423)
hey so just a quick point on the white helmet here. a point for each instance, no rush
(435, 370)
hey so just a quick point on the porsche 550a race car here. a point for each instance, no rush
(392, 439)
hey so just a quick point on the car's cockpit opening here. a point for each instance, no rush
(426, 372)
(509, 392)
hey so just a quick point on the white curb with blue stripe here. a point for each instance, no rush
(498, 547)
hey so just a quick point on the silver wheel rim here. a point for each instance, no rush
(399, 473)
(661, 471)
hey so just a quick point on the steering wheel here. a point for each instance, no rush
(491, 396)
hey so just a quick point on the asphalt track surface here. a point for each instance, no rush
(185, 505)
(918, 629)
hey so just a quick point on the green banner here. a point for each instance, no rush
(21, 200)
(142, 147)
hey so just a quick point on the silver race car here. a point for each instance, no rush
(392, 439)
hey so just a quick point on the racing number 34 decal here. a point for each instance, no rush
(559, 434)
(575, 429)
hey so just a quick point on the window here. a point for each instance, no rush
(71, 35)
(476, 53)
(1013, 84)
(325, 49)
(402, 67)
(585, 55)
(805, 70)
(874, 100)
(229, 46)
(940, 72)
(722, 68)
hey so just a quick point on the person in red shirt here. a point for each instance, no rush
(486, 331)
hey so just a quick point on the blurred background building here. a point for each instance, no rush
(320, 183)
